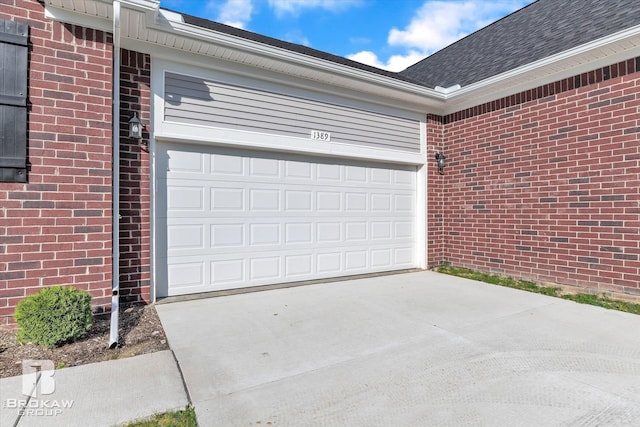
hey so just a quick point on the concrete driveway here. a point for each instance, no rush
(411, 349)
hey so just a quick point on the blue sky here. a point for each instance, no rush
(389, 34)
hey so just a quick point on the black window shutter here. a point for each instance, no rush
(13, 101)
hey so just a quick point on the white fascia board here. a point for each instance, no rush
(532, 75)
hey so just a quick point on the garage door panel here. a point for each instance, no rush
(186, 275)
(265, 268)
(329, 201)
(255, 268)
(188, 236)
(329, 263)
(404, 177)
(186, 161)
(222, 164)
(236, 218)
(381, 202)
(265, 234)
(191, 179)
(381, 258)
(298, 265)
(329, 232)
(185, 237)
(356, 202)
(227, 272)
(356, 261)
(300, 171)
(404, 230)
(185, 198)
(264, 200)
(227, 235)
(380, 230)
(404, 256)
(329, 174)
(404, 203)
(356, 231)
(298, 200)
(355, 175)
(224, 199)
(298, 233)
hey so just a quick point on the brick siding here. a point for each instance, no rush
(545, 185)
(56, 229)
(135, 187)
(435, 202)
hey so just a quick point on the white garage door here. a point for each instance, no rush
(234, 218)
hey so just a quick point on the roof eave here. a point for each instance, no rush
(316, 68)
(599, 53)
(148, 21)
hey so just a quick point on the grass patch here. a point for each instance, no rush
(182, 418)
(597, 300)
(498, 280)
(603, 301)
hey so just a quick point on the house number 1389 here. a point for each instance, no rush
(322, 136)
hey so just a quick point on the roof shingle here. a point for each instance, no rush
(537, 31)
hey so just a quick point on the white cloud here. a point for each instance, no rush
(367, 57)
(236, 13)
(440, 23)
(295, 7)
(394, 63)
(437, 24)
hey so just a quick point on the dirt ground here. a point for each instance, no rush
(140, 332)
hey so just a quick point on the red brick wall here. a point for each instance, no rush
(135, 188)
(435, 199)
(545, 185)
(56, 229)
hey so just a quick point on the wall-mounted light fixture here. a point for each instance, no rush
(135, 127)
(440, 158)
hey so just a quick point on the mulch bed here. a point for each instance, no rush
(140, 332)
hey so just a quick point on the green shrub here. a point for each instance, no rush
(54, 316)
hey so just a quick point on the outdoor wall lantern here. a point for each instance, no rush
(135, 127)
(440, 158)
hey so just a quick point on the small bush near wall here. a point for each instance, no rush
(54, 316)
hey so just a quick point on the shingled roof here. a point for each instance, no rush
(537, 31)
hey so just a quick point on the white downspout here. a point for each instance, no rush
(115, 258)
